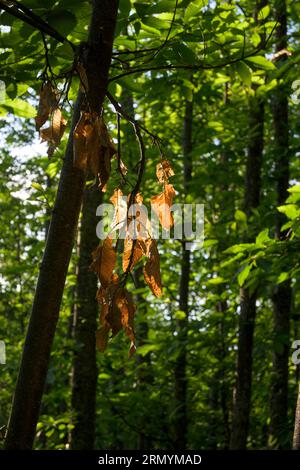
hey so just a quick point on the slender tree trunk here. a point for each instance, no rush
(296, 439)
(54, 266)
(282, 294)
(84, 374)
(182, 325)
(242, 397)
(144, 371)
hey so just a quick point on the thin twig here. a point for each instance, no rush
(194, 66)
(20, 11)
(129, 118)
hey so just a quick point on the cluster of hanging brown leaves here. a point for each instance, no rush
(162, 203)
(93, 146)
(116, 303)
(48, 108)
(117, 307)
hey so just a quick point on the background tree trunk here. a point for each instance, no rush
(180, 418)
(242, 397)
(54, 266)
(84, 374)
(296, 438)
(282, 293)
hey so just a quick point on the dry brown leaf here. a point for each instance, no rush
(133, 251)
(117, 312)
(120, 213)
(101, 152)
(164, 171)
(161, 205)
(123, 167)
(104, 260)
(54, 133)
(47, 103)
(132, 349)
(102, 337)
(152, 268)
(81, 137)
(282, 52)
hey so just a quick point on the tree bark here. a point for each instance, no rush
(242, 397)
(54, 266)
(296, 438)
(180, 418)
(282, 294)
(84, 373)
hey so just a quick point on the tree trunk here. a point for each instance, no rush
(282, 294)
(296, 439)
(144, 371)
(54, 266)
(84, 373)
(242, 397)
(180, 418)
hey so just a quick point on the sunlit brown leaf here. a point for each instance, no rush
(281, 53)
(161, 205)
(54, 133)
(81, 140)
(133, 251)
(164, 171)
(47, 103)
(102, 337)
(104, 260)
(101, 152)
(124, 303)
(152, 268)
(120, 205)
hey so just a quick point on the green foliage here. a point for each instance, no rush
(210, 56)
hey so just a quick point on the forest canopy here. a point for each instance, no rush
(156, 339)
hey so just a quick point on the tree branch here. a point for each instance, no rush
(14, 8)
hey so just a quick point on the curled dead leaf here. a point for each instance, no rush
(102, 337)
(120, 205)
(55, 131)
(82, 137)
(161, 205)
(152, 268)
(104, 260)
(133, 251)
(47, 104)
(164, 171)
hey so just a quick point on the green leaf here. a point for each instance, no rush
(264, 12)
(241, 247)
(290, 210)
(243, 275)
(263, 238)
(240, 216)
(193, 9)
(63, 21)
(19, 108)
(37, 186)
(261, 62)
(244, 72)
(146, 348)
(215, 281)
(282, 277)
(294, 189)
(179, 314)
